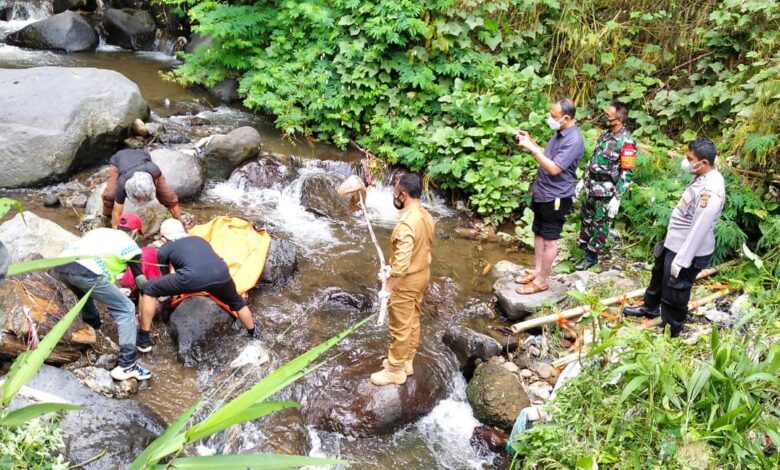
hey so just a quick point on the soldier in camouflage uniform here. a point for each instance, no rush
(606, 179)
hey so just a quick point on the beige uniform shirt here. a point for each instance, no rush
(411, 242)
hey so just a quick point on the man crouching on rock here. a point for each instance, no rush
(197, 269)
(410, 272)
(107, 253)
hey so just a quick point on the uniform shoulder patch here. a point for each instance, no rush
(628, 156)
(704, 199)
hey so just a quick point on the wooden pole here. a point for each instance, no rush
(692, 305)
(583, 309)
(380, 320)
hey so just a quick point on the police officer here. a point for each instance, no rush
(606, 179)
(690, 240)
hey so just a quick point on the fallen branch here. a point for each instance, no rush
(583, 309)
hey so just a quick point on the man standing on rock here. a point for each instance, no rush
(197, 269)
(606, 180)
(107, 253)
(410, 272)
(690, 240)
(132, 173)
(552, 191)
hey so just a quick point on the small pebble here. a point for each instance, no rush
(51, 200)
(535, 351)
(511, 367)
(526, 373)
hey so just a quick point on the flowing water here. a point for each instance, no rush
(333, 255)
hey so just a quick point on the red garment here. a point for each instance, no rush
(148, 266)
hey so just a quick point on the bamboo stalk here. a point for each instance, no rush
(583, 309)
(692, 305)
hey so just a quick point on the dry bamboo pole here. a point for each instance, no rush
(583, 309)
(692, 305)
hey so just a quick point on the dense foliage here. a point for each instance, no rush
(440, 85)
(664, 405)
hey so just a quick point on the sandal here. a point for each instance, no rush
(528, 278)
(531, 288)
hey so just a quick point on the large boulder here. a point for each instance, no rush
(114, 432)
(28, 236)
(496, 395)
(263, 173)
(198, 325)
(66, 31)
(57, 119)
(281, 263)
(34, 303)
(319, 195)
(63, 5)
(468, 346)
(129, 28)
(224, 153)
(354, 406)
(95, 201)
(152, 214)
(517, 306)
(183, 172)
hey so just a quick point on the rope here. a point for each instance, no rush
(32, 333)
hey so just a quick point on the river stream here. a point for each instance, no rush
(334, 255)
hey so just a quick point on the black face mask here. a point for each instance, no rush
(605, 121)
(397, 202)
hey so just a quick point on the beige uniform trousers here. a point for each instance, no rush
(404, 308)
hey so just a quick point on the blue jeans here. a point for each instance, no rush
(122, 310)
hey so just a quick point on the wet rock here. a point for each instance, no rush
(183, 172)
(40, 300)
(224, 153)
(27, 236)
(506, 268)
(134, 143)
(66, 31)
(152, 214)
(283, 432)
(139, 128)
(107, 361)
(264, 173)
(63, 5)
(195, 326)
(173, 138)
(226, 90)
(198, 121)
(78, 200)
(129, 28)
(540, 392)
(281, 264)
(99, 381)
(496, 395)
(487, 439)
(120, 428)
(319, 195)
(48, 145)
(439, 298)
(95, 201)
(3, 263)
(354, 406)
(468, 346)
(197, 41)
(517, 306)
(51, 200)
(335, 298)
(154, 128)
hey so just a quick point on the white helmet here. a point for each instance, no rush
(172, 229)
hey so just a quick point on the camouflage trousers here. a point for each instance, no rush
(594, 224)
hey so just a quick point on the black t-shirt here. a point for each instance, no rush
(194, 261)
(129, 162)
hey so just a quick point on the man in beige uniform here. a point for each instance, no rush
(410, 272)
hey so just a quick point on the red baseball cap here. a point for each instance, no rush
(130, 220)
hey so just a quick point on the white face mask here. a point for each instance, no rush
(554, 125)
(686, 166)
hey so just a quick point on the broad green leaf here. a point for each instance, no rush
(167, 443)
(254, 462)
(633, 385)
(22, 415)
(587, 463)
(271, 384)
(256, 411)
(40, 264)
(7, 203)
(28, 362)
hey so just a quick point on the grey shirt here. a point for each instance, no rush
(691, 231)
(565, 148)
